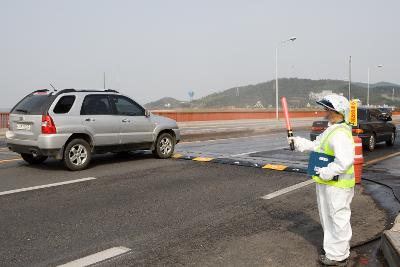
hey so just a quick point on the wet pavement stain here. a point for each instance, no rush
(370, 254)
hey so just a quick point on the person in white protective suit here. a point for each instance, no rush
(334, 183)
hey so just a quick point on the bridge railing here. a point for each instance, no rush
(185, 116)
(4, 119)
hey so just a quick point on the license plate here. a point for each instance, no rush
(23, 126)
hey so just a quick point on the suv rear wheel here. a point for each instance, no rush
(164, 146)
(33, 160)
(77, 155)
(392, 139)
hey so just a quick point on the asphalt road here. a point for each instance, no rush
(268, 148)
(175, 212)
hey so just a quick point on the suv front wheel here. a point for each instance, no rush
(392, 139)
(164, 146)
(77, 155)
(371, 142)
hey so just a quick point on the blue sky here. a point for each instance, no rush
(150, 49)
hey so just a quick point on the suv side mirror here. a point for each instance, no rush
(147, 113)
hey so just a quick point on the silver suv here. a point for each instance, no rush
(71, 125)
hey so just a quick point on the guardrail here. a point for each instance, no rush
(4, 119)
(185, 116)
(182, 116)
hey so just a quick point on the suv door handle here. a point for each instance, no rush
(90, 119)
(126, 120)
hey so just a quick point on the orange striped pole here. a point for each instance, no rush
(358, 159)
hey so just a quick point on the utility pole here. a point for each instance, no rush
(276, 75)
(369, 70)
(349, 78)
(104, 80)
(276, 84)
(368, 87)
(393, 95)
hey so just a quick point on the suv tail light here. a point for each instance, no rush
(317, 129)
(48, 126)
(357, 130)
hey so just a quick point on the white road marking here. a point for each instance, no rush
(252, 152)
(45, 186)
(97, 257)
(288, 189)
(247, 153)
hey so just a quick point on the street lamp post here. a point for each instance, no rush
(369, 70)
(276, 75)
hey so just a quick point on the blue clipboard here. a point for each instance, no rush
(318, 160)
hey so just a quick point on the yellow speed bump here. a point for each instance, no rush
(177, 156)
(201, 159)
(9, 160)
(275, 167)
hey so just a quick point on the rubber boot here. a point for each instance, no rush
(327, 262)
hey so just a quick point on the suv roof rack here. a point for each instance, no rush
(40, 90)
(111, 90)
(63, 91)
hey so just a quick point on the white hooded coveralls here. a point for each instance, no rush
(333, 202)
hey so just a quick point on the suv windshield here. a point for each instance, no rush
(362, 114)
(33, 104)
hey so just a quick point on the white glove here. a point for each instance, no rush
(301, 144)
(325, 174)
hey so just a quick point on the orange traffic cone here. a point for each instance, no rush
(358, 159)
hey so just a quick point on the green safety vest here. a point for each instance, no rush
(346, 180)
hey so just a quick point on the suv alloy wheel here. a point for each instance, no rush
(392, 139)
(371, 142)
(77, 155)
(165, 146)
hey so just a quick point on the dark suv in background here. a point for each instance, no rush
(374, 126)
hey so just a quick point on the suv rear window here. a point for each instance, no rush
(33, 104)
(64, 105)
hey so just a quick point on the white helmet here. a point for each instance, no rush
(337, 103)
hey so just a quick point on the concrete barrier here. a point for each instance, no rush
(181, 116)
(4, 119)
(390, 244)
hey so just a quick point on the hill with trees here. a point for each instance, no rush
(300, 93)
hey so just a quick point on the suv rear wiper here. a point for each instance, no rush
(22, 110)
